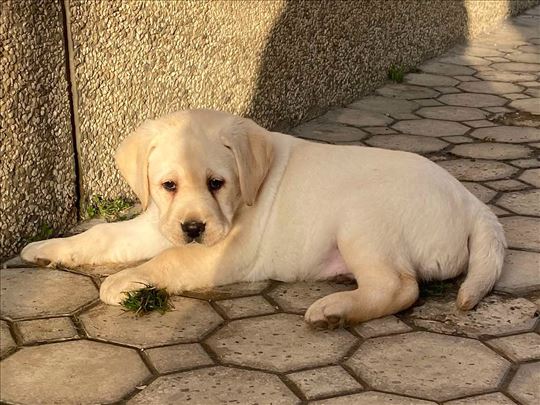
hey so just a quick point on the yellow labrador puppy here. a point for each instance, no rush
(227, 201)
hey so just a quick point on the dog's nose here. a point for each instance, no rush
(193, 229)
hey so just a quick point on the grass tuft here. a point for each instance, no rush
(396, 73)
(148, 299)
(109, 209)
(45, 232)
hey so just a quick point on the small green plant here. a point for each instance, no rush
(110, 209)
(45, 232)
(436, 288)
(396, 73)
(146, 300)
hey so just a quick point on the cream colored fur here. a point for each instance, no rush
(289, 210)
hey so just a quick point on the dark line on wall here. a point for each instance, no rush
(73, 101)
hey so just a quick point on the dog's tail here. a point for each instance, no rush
(486, 257)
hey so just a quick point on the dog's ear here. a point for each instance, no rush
(132, 161)
(253, 153)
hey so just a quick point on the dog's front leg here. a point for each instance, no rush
(118, 242)
(177, 269)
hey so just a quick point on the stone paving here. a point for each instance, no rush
(475, 112)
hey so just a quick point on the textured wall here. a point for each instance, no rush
(37, 179)
(277, 61)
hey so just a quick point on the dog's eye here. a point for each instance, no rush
(169, 186)
(215, 184)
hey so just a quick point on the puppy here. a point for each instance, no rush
(227, 201)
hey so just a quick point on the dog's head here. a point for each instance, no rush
(198, 167)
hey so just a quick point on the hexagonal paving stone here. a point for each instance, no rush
(452, 113)
(515, 96)
(521, 272)
(324, 381)
(458, 139)
(526, 163)
(524, 385)
(477, 51)
(447, 90)
(490, 87)
(507, 134)
(445, 367)
(6, 340)
(42, 330)
(446, 69)
(507, 185)
(385, 105)
(188, 321)
(534, 92)
(379, 130)
(79, 371)
(228, 291)
(297, 297)
(280, 342)
(178, 357)
(372, 398)
(531, 105)
(406, 91)
(488, 399)
(495, 315)
(465, 60)
(531, 176)
(38, 292)
(481, 192)
(522, 232)
(521, 202)
(329, 132)
(410, 143)
(467, 78)
(216, 386)
(519, 347)
(473, 100)
(479, 123)
(471, 170)
(498, 76)
(517, 67)
(523, 57)
(382, 326)
(429, 127)
(358, 118)
(498, 151)
(529, 48)
(429, 80)
(246, 306)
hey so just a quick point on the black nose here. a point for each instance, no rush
(193, 229)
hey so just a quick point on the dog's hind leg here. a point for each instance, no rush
(382, 290)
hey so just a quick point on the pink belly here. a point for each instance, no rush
(334, 265)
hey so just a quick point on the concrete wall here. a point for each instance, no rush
(37, 177)
(279, 62)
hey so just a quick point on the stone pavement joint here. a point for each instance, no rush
(249, 343)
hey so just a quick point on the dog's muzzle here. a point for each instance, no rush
(193, 230)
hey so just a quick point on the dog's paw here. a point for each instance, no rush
(330, 312)
(115, 287)
(46, 253)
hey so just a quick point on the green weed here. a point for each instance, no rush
(45, 232)
(146, 300)
(396, 73)
(110, 209)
